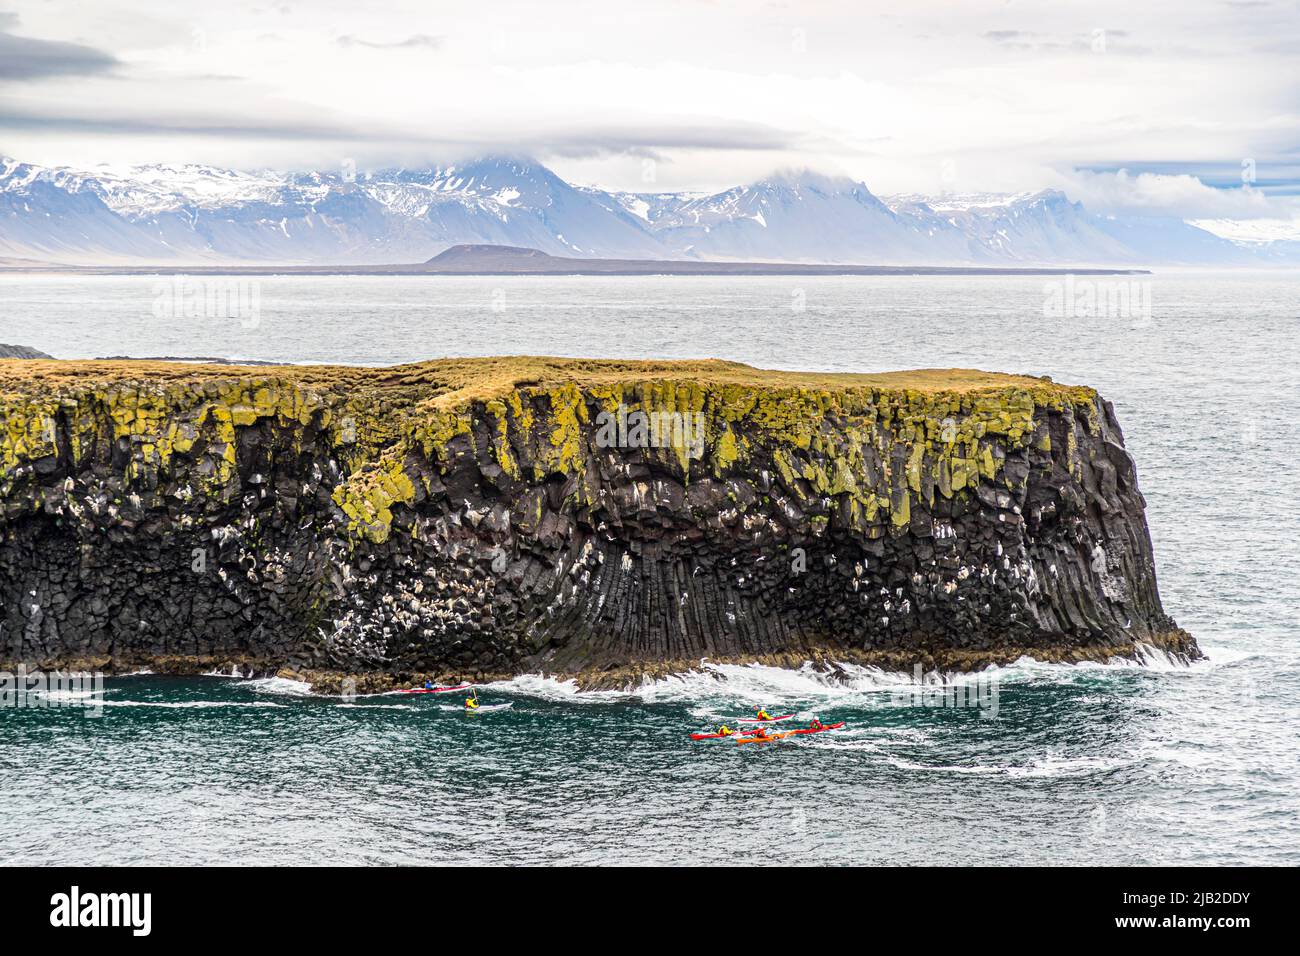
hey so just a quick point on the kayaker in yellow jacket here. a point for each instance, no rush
(763, 714)
(725, 731)
(471, 703)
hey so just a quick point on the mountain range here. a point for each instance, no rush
(203, 215)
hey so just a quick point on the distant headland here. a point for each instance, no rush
(471, 259)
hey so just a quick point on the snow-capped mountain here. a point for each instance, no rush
(803, 217)
(1268, 240)
(512, 202)
(812, 218)
(202, 214)
(191, 214)
(1028, 227)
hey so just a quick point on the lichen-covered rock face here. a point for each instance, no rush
(486, 517)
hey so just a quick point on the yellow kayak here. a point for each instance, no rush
(763, 740)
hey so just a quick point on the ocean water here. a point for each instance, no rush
(1151, 763)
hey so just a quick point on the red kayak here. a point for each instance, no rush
(817, 730)
(434, 690)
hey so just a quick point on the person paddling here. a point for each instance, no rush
(763, 714)
(471, 703)
(428, 685)
(725, 731)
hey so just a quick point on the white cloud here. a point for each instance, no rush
(1184, 196)
(981, 95)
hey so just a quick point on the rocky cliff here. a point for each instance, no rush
(476, 518)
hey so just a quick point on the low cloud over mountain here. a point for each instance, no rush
(181, 214)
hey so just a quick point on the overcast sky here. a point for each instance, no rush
(1160, 104)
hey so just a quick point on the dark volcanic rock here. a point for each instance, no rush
(489, 517)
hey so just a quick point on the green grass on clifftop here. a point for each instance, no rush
(450, 382)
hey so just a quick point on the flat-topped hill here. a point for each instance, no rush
(486, 259)
(20, 352)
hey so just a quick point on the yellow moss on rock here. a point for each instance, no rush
(942, 425)
(563, 452)
(726, 453)
(367, 497)
(501, 440)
